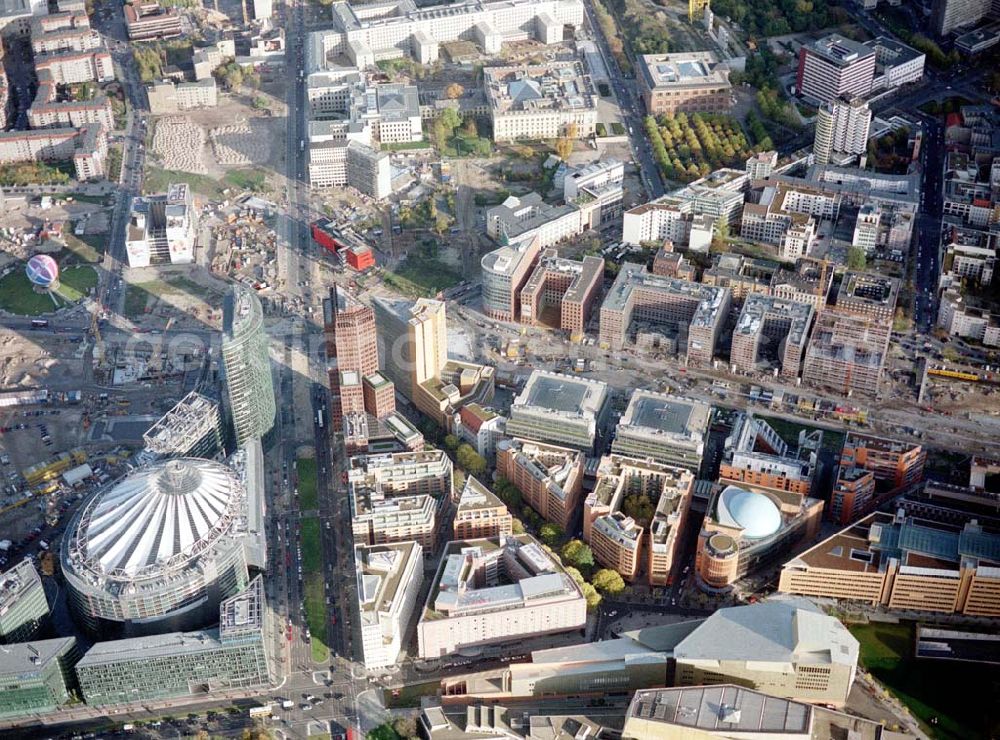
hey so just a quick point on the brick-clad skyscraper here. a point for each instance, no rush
(352, 352)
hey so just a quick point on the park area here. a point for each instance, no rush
(308, 496)
(953, 700)
(18, 296)
(315, 598)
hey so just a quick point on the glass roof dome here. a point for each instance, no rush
(752, 512)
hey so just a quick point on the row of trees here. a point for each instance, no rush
(687, 148)
(776, 18)
(777, 109)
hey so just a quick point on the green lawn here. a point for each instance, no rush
(18, 296)
(315, 596)
(963, 698)
(156, 181)
(86, 248)
(789, 431)
(77, 282)
(423, 276)
(308, 496)
(409, 696)
(246, 179)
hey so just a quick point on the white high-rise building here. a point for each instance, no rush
(389, 579)
(842, 128)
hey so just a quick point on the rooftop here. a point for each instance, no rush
(839, 50)
(16, 582)
(632, 277)
(379, 570)
(476, 496)
(533, 88)
(758, 309)
(683, 70)
(562, 393)
(23, 659)
(666, 414)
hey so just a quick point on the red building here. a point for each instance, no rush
(348, 247)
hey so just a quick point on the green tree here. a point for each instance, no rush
(575, 575)
(592, 597)
(639, 507)
(856, 259)
(470, 461)
(563, 147)
(451, 442)
(516, 526)
(406, 727)
(383, 732)
(608, 582)
(577, 554)
(508, 493)
(551, 534)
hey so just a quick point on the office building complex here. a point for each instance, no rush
(192, 428)
(550, 478)
(770, 333)
(235, 655)
(404, 473)
(755, 457)
(148, 20)
(480, 513)
(742, 275)
(846, 352)
(832, 67)
(761, 164)
(867, 294)
(36, 677)
(664, 428)
(599, 182)
(159, 548)
(692, 82)
(528, 218)
(562, 292)
(729, 710)
(505, 271)
(541, 101)
(413, 350)
(388, 579)
(620, 542)
(842, 128)
(352, 359)
(481, 427)
(641, 302)
(896, 64)
(559, 409)
(497, 590)
(871, 471)
(904, 563)
(949, 15)
(161, 228)
(246, 364)
(398, 28)
(746, 529)
(23, 606)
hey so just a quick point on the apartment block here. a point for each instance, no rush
(559, 409)
(621, 543)
(148, 20)
(898, 562)
(692, 82)
(388, 580)
(640, 298)
(87, 147)
(379, 518)
(496, 590)
(72, 67)
(481, 427)
(842, 129)
(47, 111)
(561, 292)
(550, 478)
(404, 473)
(770, 333)
(834, 66)
(668, 429)
(756, 457)
(480, 513)
(541, 101)
(846, 353)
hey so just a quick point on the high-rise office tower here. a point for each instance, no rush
(842, 128)
(246, 365)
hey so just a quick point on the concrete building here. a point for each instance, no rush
(246, 365)
(948, 15)
(206, 59)
(770, 333)
(899, 562)
(413, 350)
(36, 677)
(47, 111)
(600, 182)
(505, 271)
(619, 542)
(496, 590)
(388, 579)
(481, 427)
(895, 466)
(528, 218)
(168, 96)
(148, 20)
(560, 409)
(541, 101)
(161, 228)
(550, 478)
(846, 353)
(192, 428)
(262, 9)
(352, 164)
(398, 28)
(808, 282)
(842, 129)
(731, 711)
(744, 530)
(427, 472)
(896, 64)
(562, 292)
(664, 428)
(480, 513)
(352, 360)
(378, 518)
(761, 164)
(692, 82)
(743, 276)
(638, 299)
(756, 457)
(86, 147)
(24, 609)
(16, 16)
(832, 67)
(72, 67)
(868, 294)
(238, 654)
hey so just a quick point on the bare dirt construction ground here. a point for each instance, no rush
(24, 363)
(234, 134)
(184, 298)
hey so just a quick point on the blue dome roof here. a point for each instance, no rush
(754, 513)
